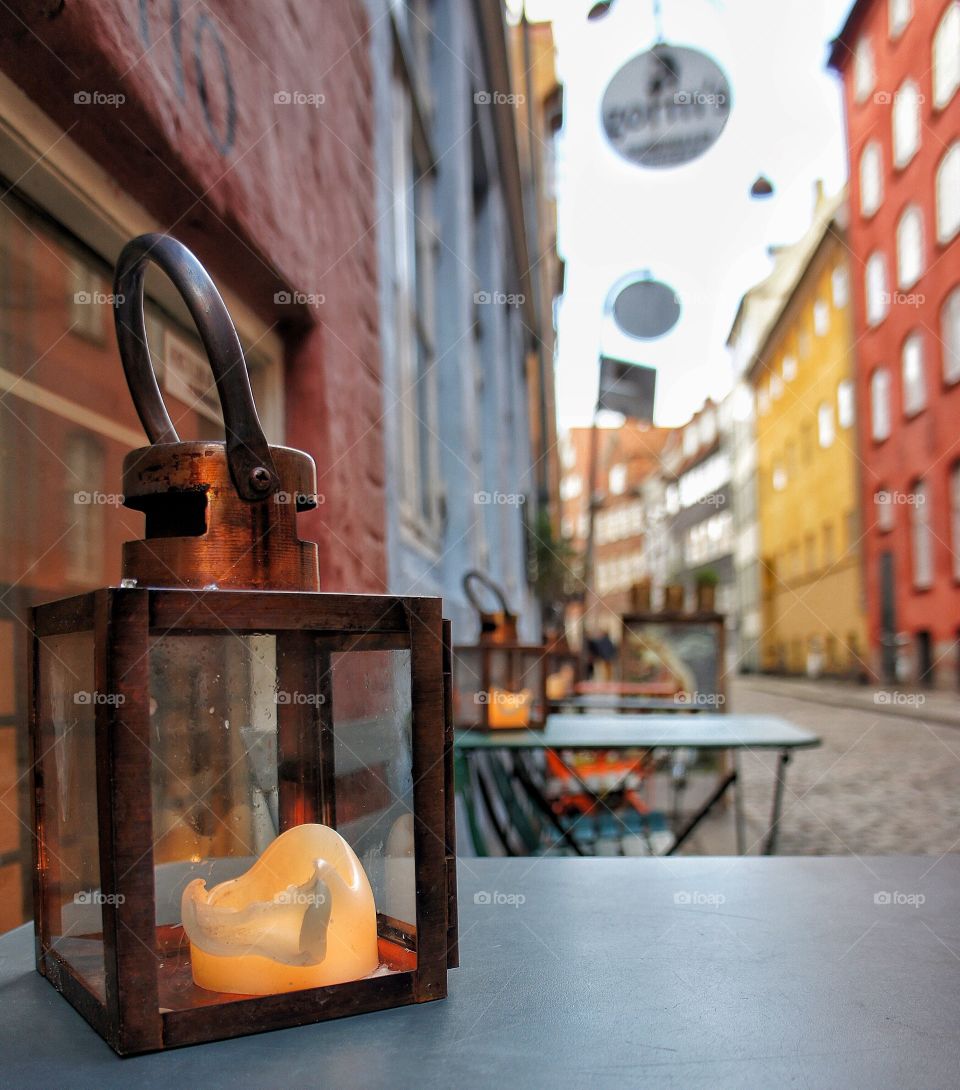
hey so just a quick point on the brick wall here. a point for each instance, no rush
(272, 196)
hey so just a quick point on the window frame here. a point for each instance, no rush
(949, 22)
(904, 156)
(878, 435)
(911, 214)
(951, 159)
(913, 393)
(871, 155)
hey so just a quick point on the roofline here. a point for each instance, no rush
(840, 47)
(832, 228)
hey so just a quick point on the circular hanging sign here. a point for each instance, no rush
(666, 107)
(646, 309)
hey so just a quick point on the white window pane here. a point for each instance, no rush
(909, 247)
(946, 56)
(871, 178)
(789, 368)
(899, 12)
(950, 336)
(878, 297)
(948, 194)
(880, 404)
(845, 404)
(922, 536)
(821, 317)
(841, 287)
(825, 427)
(914, 383)
(906, 123)
(864, 75)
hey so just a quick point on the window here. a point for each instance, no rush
(412, 186)
(906, 123)
(825, 425)
(914, 382)
(864, 75)
(779, 477)
(878, 298)
(845, 404)
(776, 386)
(955, 517)
(871, 178)
(84, 462)
(880, 404)
(922, 536)
(763, 401)
(946, 56)
(829, 551)
(950, 335)
(821, 317)
(618, 479)
(789, 368)
(948, 194)
(909, 247)
(570, 486)
(841, 287)
(803, 342)
(883, 505)
(898, 15)
(87, 299)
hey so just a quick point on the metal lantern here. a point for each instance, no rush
(500, 682)
(242, 787)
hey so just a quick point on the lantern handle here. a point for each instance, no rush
(474, 576)
(251, 465)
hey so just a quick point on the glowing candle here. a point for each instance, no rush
(506, 709)
(303, 916)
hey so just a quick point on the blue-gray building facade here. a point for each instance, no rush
(456, 325)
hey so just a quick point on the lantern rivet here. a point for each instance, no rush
(260, 479)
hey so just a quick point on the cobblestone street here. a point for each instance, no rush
(879, 783)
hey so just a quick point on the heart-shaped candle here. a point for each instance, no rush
(303, 916)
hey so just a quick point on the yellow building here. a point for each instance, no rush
(813, 618)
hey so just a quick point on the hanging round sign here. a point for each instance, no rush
(666, 107)
(646, 308)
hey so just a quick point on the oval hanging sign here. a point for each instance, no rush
(646, 309)
(666, 107)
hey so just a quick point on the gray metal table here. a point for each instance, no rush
(705, 730)
(611, 973)
(612, 702)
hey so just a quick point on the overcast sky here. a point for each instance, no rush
(693, 226)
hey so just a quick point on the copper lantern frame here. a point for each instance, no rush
(124, 994)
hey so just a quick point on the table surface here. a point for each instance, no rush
(686, 973)
(704, 730)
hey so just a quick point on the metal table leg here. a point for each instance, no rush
(771, 845)
(738, 804)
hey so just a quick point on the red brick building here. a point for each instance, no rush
(900, 65)
(626, 457)
(245, 130)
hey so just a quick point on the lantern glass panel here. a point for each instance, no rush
(373, 745)
(252, 736)
(499, 685)
(72, 909)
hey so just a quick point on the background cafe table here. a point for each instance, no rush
(609, 973)
(650, 731)
(612, 702)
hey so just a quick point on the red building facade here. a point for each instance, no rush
(900, 65)
(246, 131)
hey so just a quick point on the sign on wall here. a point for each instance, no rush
(666, 107)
